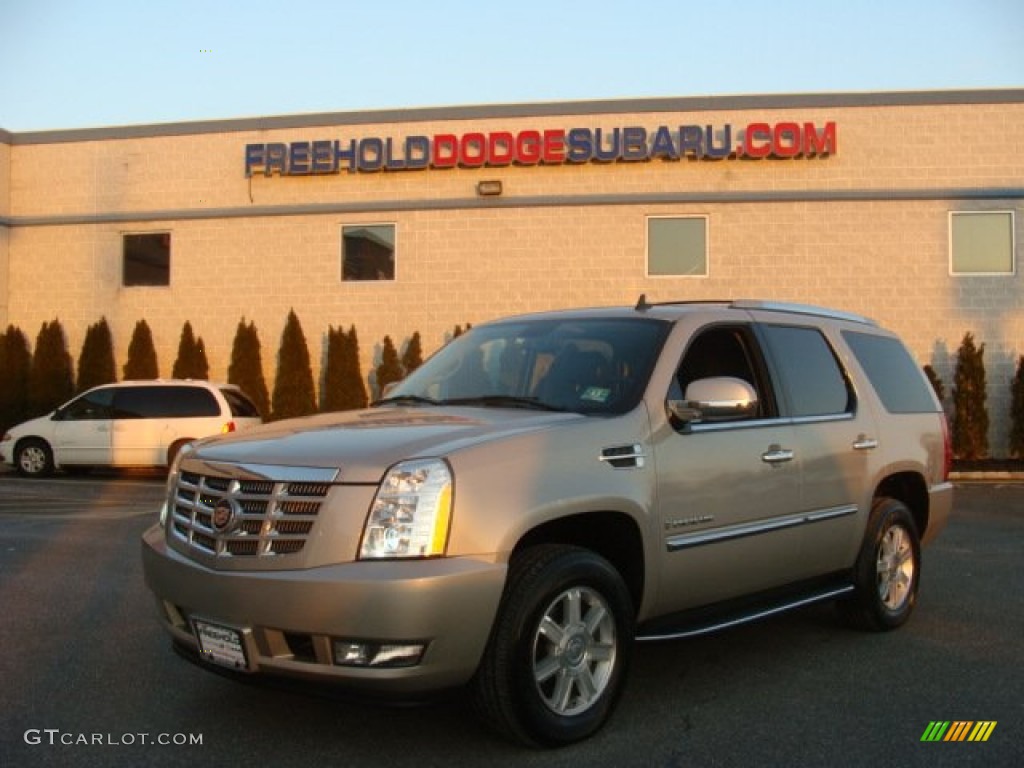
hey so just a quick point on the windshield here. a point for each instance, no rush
(593, 366)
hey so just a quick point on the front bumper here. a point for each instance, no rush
(288, 620)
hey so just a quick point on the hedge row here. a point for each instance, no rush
(35, 382)
(969, 403)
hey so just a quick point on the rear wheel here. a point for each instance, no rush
(34, 458)
(558, 653)
(888, 569)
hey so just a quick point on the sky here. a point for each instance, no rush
(88, 63)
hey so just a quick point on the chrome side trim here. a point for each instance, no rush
(748, 618)
(689, 540)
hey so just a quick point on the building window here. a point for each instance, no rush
(981, 243)
(368, 252)
(677, 246)
(147, 259)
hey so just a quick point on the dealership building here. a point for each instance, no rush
(905, 207)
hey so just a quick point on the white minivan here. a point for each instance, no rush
(127, 424)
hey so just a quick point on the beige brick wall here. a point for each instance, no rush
(887, 258)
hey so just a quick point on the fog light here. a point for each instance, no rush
(349, 653)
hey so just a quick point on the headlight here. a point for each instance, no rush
(411, 512)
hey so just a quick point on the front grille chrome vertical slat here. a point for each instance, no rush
(267, 518)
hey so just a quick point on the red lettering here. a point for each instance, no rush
(500, 148)
(472, 149)
(528, 147)
(756, 131)
(823, 143)
(554, 147)
(446, 151)
(786, 140)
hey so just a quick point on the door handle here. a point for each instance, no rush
(864, 443)
(776, 454)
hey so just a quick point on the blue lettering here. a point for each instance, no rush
(391, 163)
(724, 149)
(662, 145)
(371, 154)
(298, 158)
(254, 156)
(323, 160)
(417, 152)
(611, 154)
(347, 155)
(691, 141)
(634, 143)
(581, 146)
(276, 160)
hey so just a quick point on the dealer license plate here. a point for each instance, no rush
(220, 645)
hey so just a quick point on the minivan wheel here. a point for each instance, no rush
(33, 458)
(888, 569)
(557, 658)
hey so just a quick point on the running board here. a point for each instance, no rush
(735, 620)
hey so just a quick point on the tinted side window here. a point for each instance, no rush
(241, 406)
(160, 402)
(892, 372)
(813, 384)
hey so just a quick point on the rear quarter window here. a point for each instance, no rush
(900, 384)
(241, 406)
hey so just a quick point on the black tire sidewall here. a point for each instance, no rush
(571, 568)
(886, 514)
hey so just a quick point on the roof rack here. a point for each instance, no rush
(643, 305)
(801, 309)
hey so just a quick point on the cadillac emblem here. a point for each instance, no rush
(223, 515)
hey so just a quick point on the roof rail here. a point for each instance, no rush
(801, 309)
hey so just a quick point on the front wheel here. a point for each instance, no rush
(33, 458)
(557, 657)
(888, 569)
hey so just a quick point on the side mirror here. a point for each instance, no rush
(721, 398)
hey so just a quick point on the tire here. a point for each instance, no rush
(559, 650)
(888, 570)
(33, 457)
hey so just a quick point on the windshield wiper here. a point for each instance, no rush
(504, 401)
(406, 400)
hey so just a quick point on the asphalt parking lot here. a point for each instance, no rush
(89, 679)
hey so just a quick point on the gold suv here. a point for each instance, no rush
(548, 489)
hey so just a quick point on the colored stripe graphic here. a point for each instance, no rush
(982, 731)
(935, 731)
(958, 730)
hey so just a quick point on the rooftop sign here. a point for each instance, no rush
(558, 146)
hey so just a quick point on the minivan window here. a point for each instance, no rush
(894, 374)
(163, 402)
(241, 406)
(811, 377)
(91, 406)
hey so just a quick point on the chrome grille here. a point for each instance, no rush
(268, 518)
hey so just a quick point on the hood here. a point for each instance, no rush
(363, 444)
